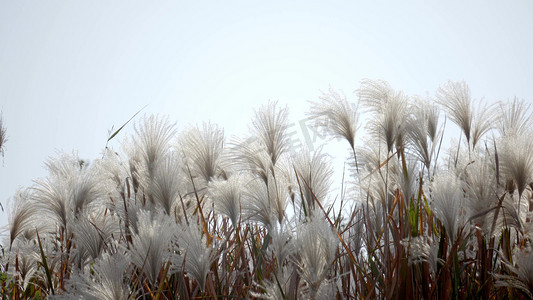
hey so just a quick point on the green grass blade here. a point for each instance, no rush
(45, 264)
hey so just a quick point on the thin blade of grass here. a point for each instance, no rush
(45, 264)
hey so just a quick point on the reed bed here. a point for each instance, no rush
(190, 215)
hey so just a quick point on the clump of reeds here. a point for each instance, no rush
(186, 215)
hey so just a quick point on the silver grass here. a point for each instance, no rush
(26, 252)
(151, 246)
(276, 288)
(226, 195)
(447, 199)
(54, 199)
(266, 203)
(198, 254)
(113, 169)
(202, 149)
(106, 279)
(164, 189)
(389, 108)
(256, 204)
(270, 125)
(91, 234)
(134, 165)
(481, 191)
(23, 216)
(336, 116)
(373, 155)
(516, 162)
(282, 244)
(378, 185)
(515, 118)
(455, 97)
(152, 142)
(483, 122)
(407, 182)
(392, 122)
(86, 189)
(421, 129)
(523, 268)
(70, 189)
(317, 247)
(511, 214)
(374, 92)
(250, 155)
(424, 249)
(314, 175)
(431, 113)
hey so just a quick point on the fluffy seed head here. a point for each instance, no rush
(447, 198)
(336, 115)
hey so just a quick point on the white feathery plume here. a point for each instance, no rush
(282, 245)
(373, 155)
(317, 248)
(515, 118)
(516, 161)
(115, 171)
(198, 255)
(509, 215)
(256, 204)
(266, 203)
(270, 125)
(336, 116)
(421, 129)
(456, 99)
(446, 193)
(374, 92)
(202, 149)
(377, 185)
(389, 107)
(70, 189)
(406, 182)
(26, 252)
(23, 216)
(107, 279)
(86, 189)
(250, 155)
(150, 145)
(314, 176)
(481, 191)
(424, 249)
(151, 246)
(523, 268)
(133, 162)
(226, 195)
(276, 288)
(165, 186)
(91, 234)
(483, 122)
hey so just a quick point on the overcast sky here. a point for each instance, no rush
(70, 70)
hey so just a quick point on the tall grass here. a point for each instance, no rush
(185, 215)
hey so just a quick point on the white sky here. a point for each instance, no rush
(70, 70)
